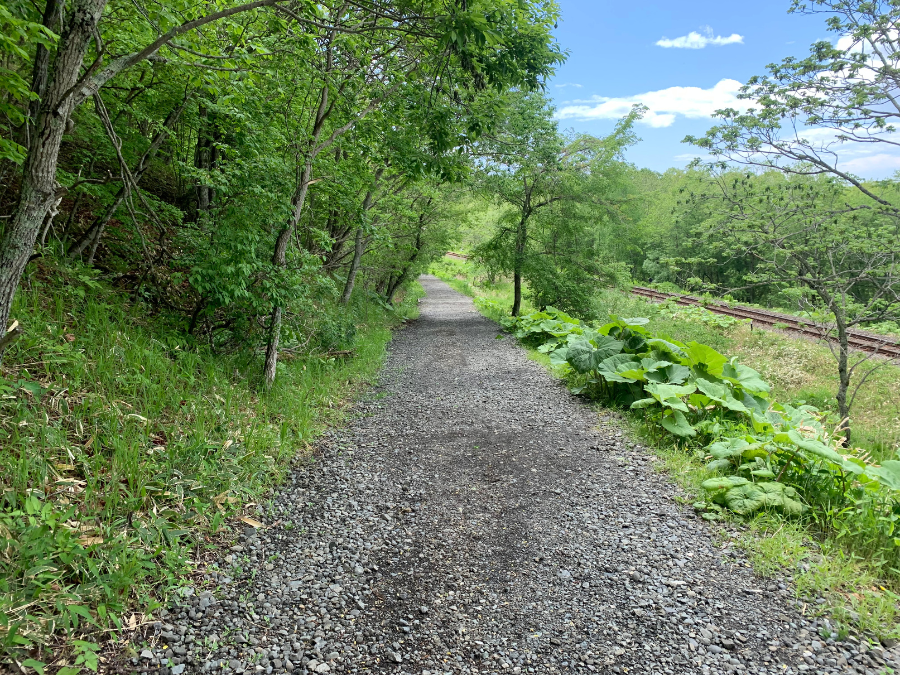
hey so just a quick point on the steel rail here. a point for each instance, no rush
(861, 340)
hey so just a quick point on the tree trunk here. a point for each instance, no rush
(360, 244)
(205, 156)
(40, 190)
(272, 348)
(279, 258)
(518, 263)
(359, 247)
(395, 284)
(41, 70)
(843, 377)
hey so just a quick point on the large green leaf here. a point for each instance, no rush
(585, 356)
(718, 465)
(773, 493)
(723, 483)
(635, 373)
(617, 325)
(754, 403)
(670, 394)
(677, 424)
(728, 447)
(672, 374)
(612, 367)
(548, 347)
(633, 343)
(667, 346)
(559, 356)
(721, 393)
(745, 499)
(715, 390)
(644, 403)
(815, 447)
(888, 474)
(761, 424)
(792, 507)
(747, 378)
(677, 373)
(705, 358)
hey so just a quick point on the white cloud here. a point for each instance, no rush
(872, 164)
(664, 105)
(695, 40)
(690, 157)
(567, 84)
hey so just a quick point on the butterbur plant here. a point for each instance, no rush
(760, 454)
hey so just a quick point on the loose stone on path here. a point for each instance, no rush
(474, 518)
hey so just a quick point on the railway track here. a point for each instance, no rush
(861, 340)
(456, 256)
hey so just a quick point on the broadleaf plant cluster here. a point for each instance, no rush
(760, 454)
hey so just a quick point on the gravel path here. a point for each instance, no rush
(477, 518)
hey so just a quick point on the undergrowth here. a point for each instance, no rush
(126, 451)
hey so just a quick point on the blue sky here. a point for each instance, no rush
(615, 60)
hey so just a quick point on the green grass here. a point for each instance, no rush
(827, 560)
(126, 452)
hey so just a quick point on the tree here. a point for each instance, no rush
(842, 247)
(531, 167)
(459, 47)
(805, 110)
(809, 233)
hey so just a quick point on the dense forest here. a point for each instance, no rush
(240, 196)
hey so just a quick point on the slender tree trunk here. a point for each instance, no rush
(41, 70)
(95, 244)
(518, 263)
(359, 246)
(394, 284)
(272, 347)
(40, 190)
(70, 219)
(205, 156)
(279, 258)
(843, 377)
(195, 315)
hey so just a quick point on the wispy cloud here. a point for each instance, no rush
(878, 164)
(695, 40)
(664, 106)
(567, 84)
(690, 157)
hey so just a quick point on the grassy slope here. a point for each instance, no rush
(822, 565)
(125, 453)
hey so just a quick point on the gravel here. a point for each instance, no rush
(477, 518)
